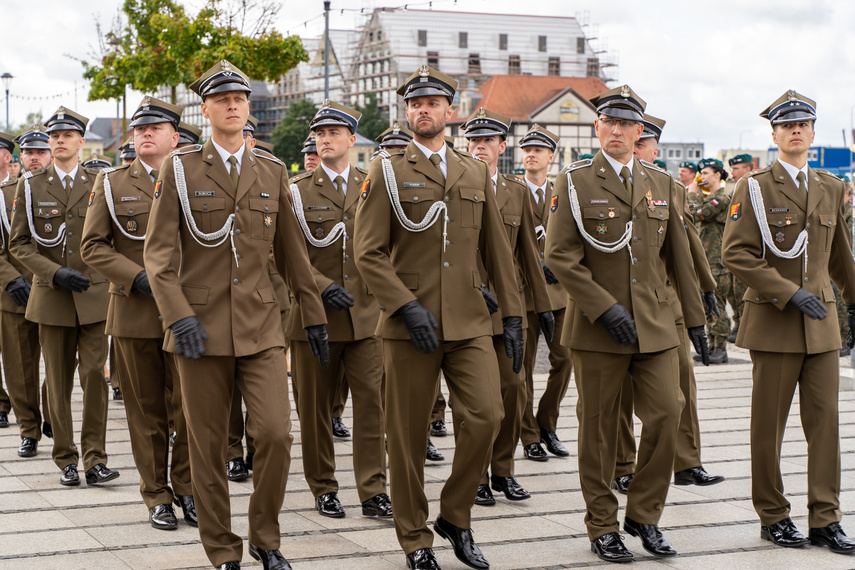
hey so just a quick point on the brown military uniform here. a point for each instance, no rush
(400, 266)
(596, 280)
(71, 325)
(560, 357)
(19, 337)
(788, 348)
(137, 330)
(236, 304)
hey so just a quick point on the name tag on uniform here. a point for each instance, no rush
(47, 204)
(414, 184)
(204, 193)
(778, 210)
(130, 198)
(310, 208)
(599, 201)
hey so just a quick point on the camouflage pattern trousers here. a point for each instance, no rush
(726, 290)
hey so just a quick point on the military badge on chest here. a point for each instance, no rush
(268, 220)
(132, 225)
(601, 228)
(319, 233)
(779, 237)
(48, 227)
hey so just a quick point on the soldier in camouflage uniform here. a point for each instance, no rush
(710, 206)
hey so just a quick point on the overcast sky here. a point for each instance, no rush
(707, 67)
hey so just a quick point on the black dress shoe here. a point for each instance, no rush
(162, 517)
(236, 470)
(378, 506)
(465, 548)
(696, 476)
(117, 394)
(833, 537)
(4, 420)
(229, 566)
(100, 474)
(47, 431)
(29, 447)
(338, 428)
(433, 453)
(484, 496)
(651, 537)
(621, 484)
(329, 506)
(553, 444)
(783, 533)
(250, 455)
(270, 559)
(69, 476)
(508, 485)
(610, 548)
(438, 429)
(188, 506)
(535, 452)
(422, 559)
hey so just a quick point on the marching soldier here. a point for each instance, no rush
(426, 213)
(740, 165)
(69, 300)
(615, 225)
(539, 146)
(785, 239)
(113, 236)
(486, 132)
(325, 203)
(219, 207)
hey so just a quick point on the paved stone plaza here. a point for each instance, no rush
(44, 525)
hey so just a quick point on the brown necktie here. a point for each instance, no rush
(624, 173)
(802, 186)
(154, 175)
(233, 172)
(68, 183)
(436, 159)
(339, 185)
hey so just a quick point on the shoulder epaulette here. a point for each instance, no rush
(264, 154)
(512, 178)
(577, 165)
(362, 170)
(465, 153)
(680, 184)
(113, 169)
(32, 173)
(760, 171)
(827, 173)
(385, 153)
(652, 166)
(298, 177)
(186, 149)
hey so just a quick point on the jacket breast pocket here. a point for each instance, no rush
(132, 217)
(321, 222)
(209, 212)
(827, 223)
(47, 222)
(601, 223)
(657, 222)
(263, 212)
(415, 203)
(512, 227)
(784, 229)
(471, 207)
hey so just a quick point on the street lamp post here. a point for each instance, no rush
(7, 81)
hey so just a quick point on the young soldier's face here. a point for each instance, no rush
(311, 161)
(35, 158)
(646, 149)
(711, 177)
(487, 149)
(537, 158)
(333, 142)
(793, 138)
(227, 111)
(65, 145)
(740, 170)
(428, 115)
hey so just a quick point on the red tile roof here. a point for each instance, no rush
(517, 96)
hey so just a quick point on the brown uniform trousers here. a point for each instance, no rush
(71, 325)
(355, 350)
(136, 328)
(560, 357)
(236, 304)
(596, 280)
(688, 452)
(788, 348)
(19, 338)
(400, 266)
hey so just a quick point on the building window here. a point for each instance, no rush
(474, 63)
(675, 153)
(463, 39)
(422, 38)
(813, 155)
(541, 43)
(593, 67)
(433, 59)
(503, 41)
(506, 161)
(370, 36)
(514, 65)
(580, 45)
(379, 35)
(554, 66)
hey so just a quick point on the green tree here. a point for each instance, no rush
(373, 121)
(160, 44)
(288, 136)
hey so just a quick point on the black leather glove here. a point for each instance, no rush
(318, 342)
(809, 304)
(850, 318)
(711, 303)
(141, 285)
(490, 299)
(190, 337)
(420, 324)
(620, 325)
(512, 333)
(337, 297)
(547, 272)
(547, 324)
(19, 289)
(70, 279)
(698, 336)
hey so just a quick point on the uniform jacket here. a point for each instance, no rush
(557, 294)
(10, 268)
(710, 214)
(51, 304)
(768, 323)
(513, 199)
(120, 259)
(236, 304)
(400, 266)
(323, 208)
(596, 280)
